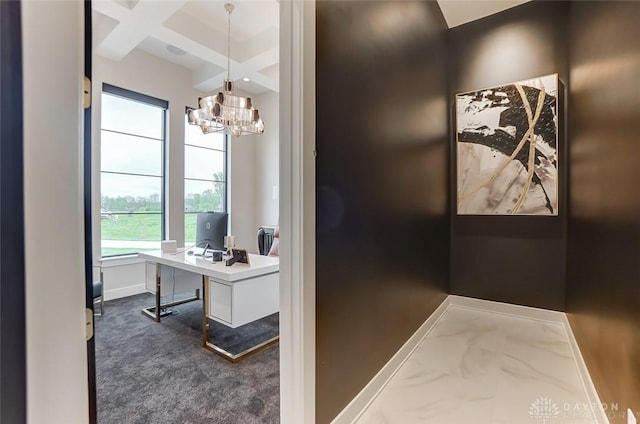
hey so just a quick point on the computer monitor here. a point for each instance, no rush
(211, 227)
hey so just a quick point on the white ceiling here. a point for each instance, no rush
(458, 12)
(196, 31)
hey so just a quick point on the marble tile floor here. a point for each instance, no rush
(480, 367)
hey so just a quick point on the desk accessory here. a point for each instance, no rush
(238, 255)
(229, 243)
(169, 246)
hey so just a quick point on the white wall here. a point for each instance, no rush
(242, 192)
(57, 390)
(254, 174)
(267, 174)
(122, 277)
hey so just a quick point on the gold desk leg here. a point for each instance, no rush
(158, 287)
(231, 357)
(205, 311)
(155, 312)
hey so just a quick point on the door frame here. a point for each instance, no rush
(297, 212)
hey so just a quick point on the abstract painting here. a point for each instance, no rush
(507, 149)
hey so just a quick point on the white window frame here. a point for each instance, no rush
(225, 197)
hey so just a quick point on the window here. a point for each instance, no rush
(205, 176)
(131, 171)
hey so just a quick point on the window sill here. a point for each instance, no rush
(121, 260)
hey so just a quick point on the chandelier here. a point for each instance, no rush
(224, 112)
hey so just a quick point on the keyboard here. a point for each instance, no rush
(198, 251)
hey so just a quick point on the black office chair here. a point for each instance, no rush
(98, 291)
(265, 239)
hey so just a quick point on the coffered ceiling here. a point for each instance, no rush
(193, 34)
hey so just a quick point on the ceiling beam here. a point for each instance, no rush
(208, 78)
(134, 24)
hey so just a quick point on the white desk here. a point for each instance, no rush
(232, 295)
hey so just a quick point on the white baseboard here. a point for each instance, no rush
(362, 400)
(594, 400)
(508, 309)
(124, 292)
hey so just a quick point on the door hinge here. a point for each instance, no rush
(87, 93)
(89, 323)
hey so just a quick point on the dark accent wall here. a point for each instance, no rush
(13, 348)
(603, 284)
(382, 187)
(515, 259)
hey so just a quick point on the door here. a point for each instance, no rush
(12, 264)
(88, 239)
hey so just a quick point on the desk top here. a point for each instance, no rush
(258, 265)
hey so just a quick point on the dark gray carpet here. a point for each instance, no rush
(158, 373)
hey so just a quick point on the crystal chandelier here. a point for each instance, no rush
(225, 112)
